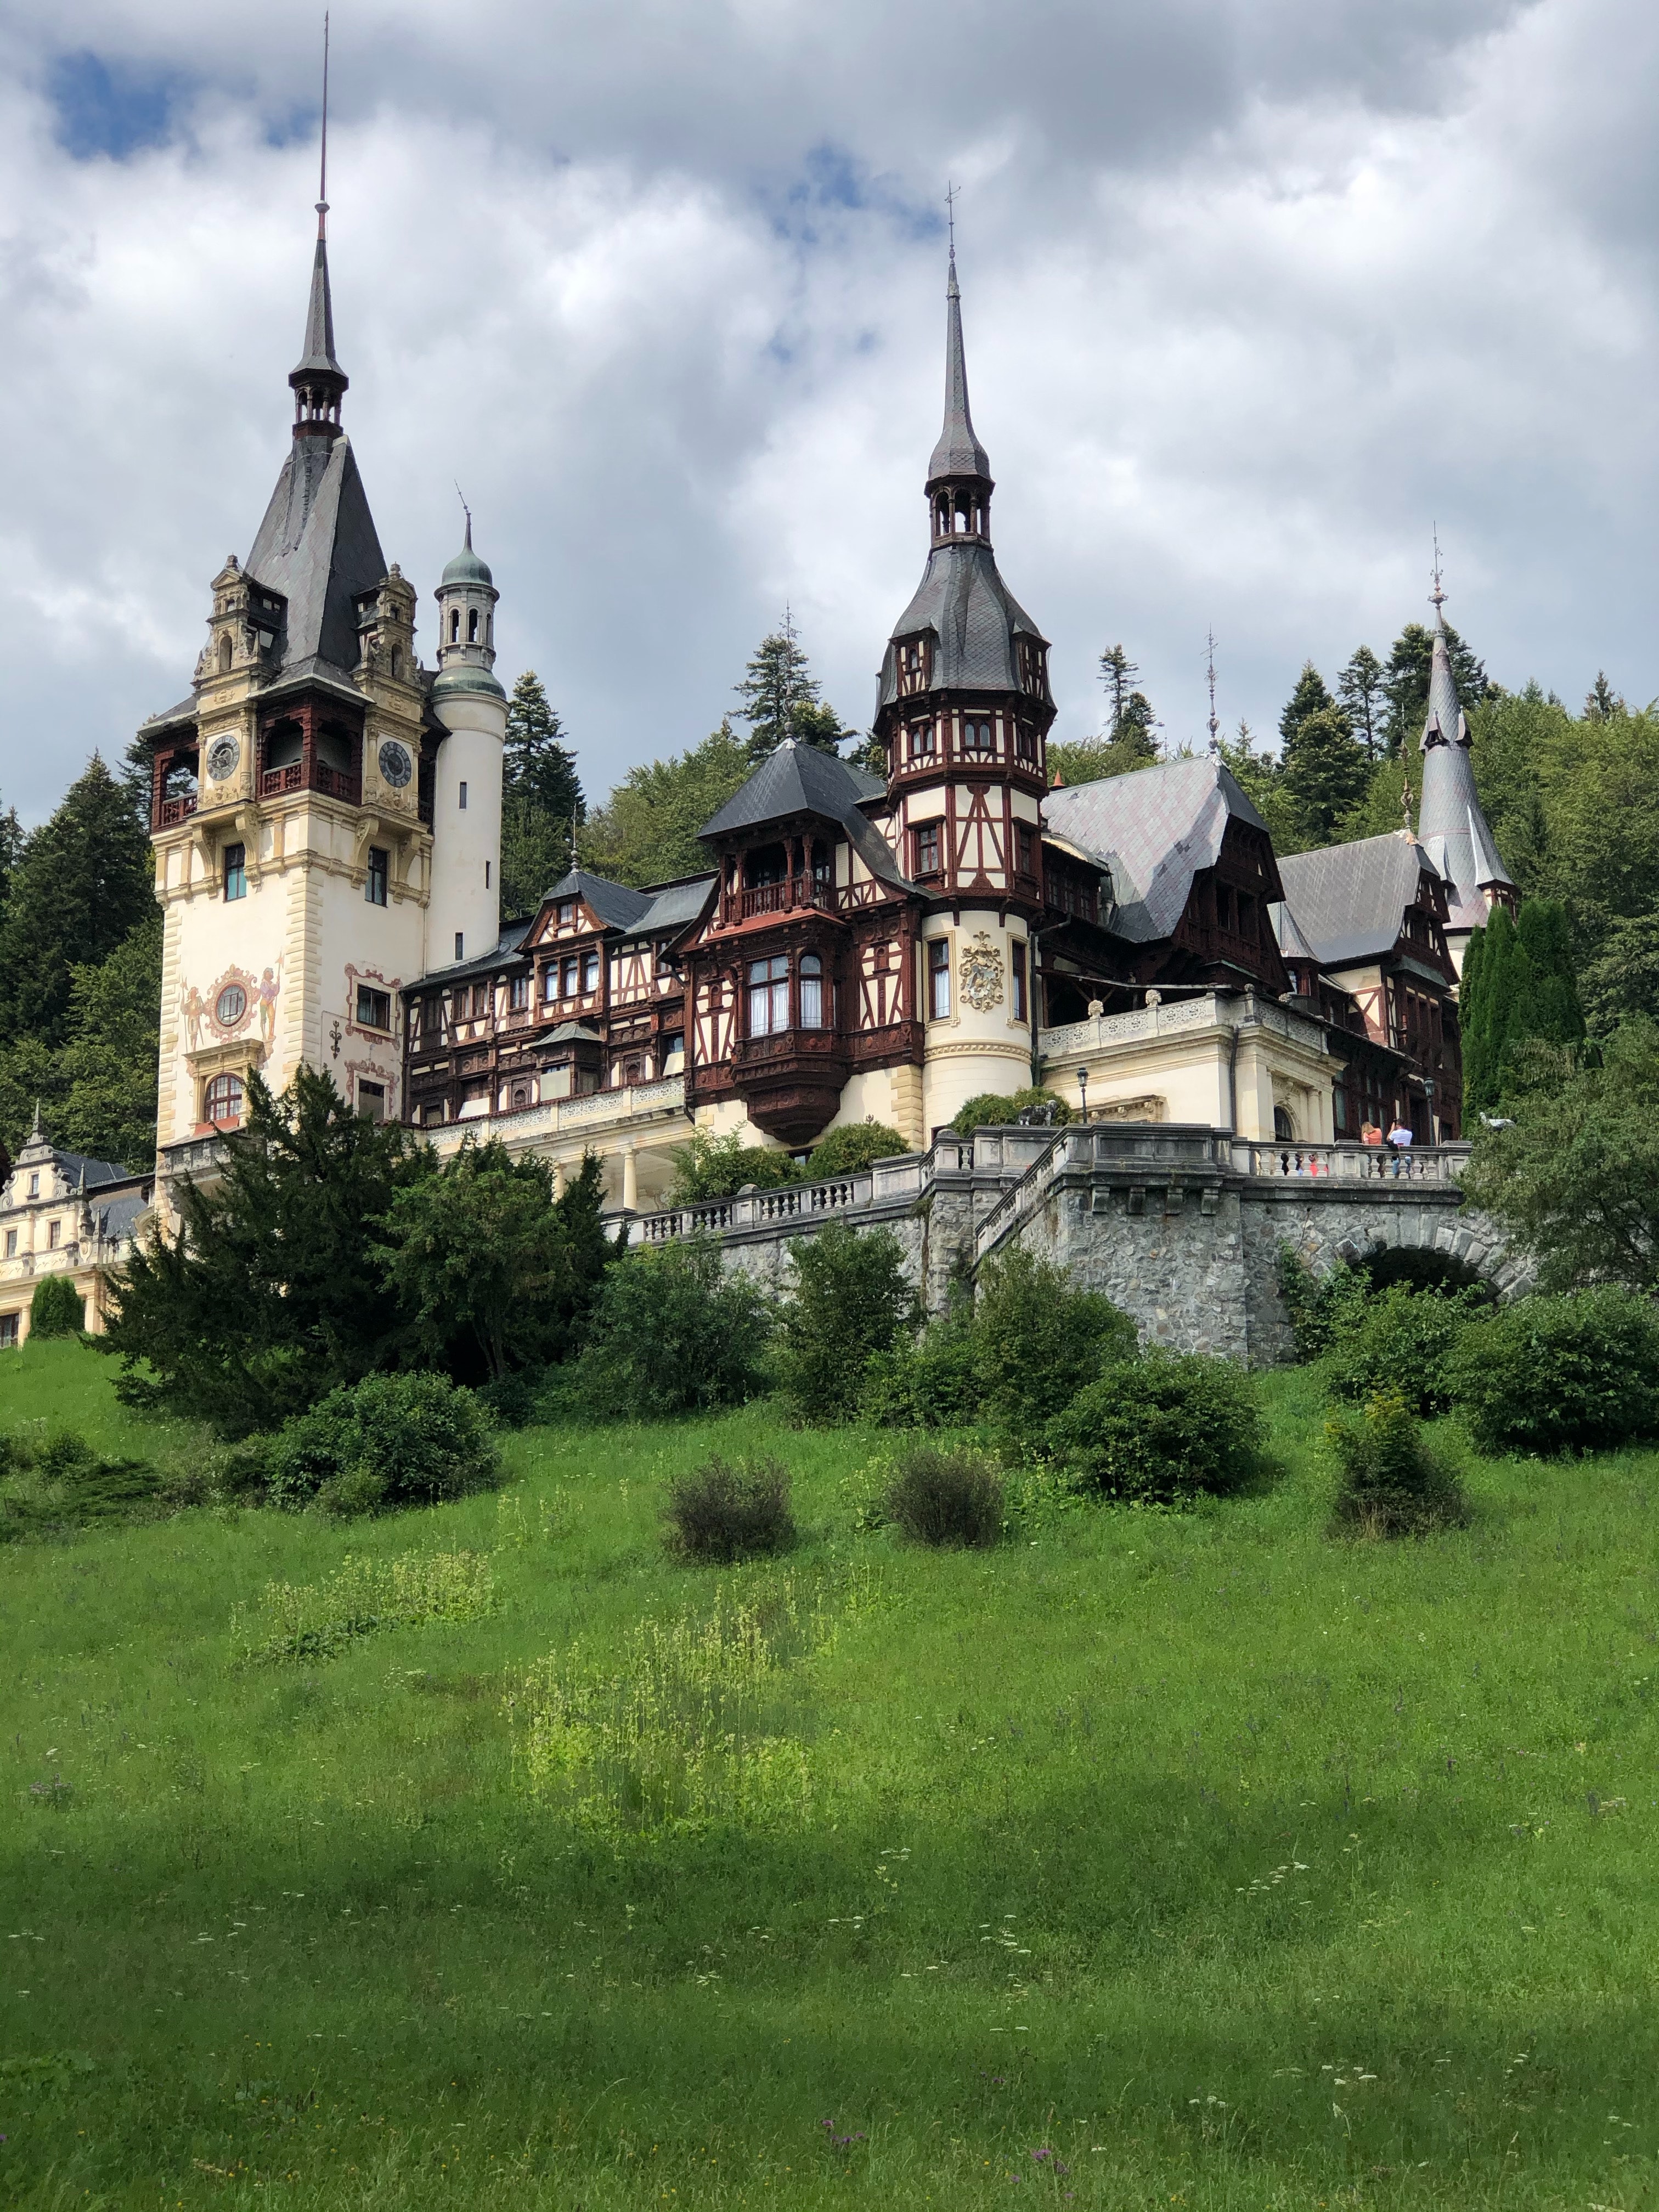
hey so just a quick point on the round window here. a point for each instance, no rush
(230, 1006)
(222, 756)
(395, 766)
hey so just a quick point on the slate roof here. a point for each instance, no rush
(673, 906)
(1450, 823)
(799, 779)
(1154, 829)
(505, 947)
(1348, 902)
(317, 360)
(974, 618)
(317, 546)
(617, 905)
(959, 452)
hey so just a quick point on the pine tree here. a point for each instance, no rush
(1130, 719)
(84, 881)
(541, 798)
(1518, 984)
(1602, 702)
(107, 1070)
(1326, 772)
(1309, 697)
(1360, 688)
(11, 849)
(780, 697)
(1405, 683)
(1552, 1010)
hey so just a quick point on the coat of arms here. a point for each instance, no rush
(982, 974)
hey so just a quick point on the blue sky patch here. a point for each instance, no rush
(112, 108)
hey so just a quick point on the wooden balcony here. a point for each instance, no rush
(789, 894)
(327, 782)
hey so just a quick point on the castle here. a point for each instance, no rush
(326, 820)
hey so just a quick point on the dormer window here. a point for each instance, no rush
(1032, 674)
(566, 914)
(915, 665)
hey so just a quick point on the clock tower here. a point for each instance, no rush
(293, 795)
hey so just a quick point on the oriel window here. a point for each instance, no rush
(938, 979)
(379, 870)
(768, 996)
(235, 872)
(812, 992)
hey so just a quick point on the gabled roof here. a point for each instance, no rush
(674, 905)
(317, 546)
(619, 906)
(506, 948)
(1349, 901)
(798, 779)
(1154, 829)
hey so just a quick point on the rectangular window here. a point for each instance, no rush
(482, 994)
(459, 944)
(54, 1232)
(1017, 951)
(486, 875)
(938, 979)
(976, 735)
(569, 970)
(1024, 741)
(566, 914)
(235, 872)
(11, 1244)
(9, 1332)
(550, 983)
(463, 798)
(380, 868)
(34, 1185)
(371, 1100)
(373, 1008)
(921, 741)
(518, 993)
(812, 992)
(925, 838)
(768, 996)
(1024, 850)
(590, 973)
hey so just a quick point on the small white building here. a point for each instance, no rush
(62, 1213)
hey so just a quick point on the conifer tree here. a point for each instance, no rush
(1323, 768)
(780, 697)
(84, 880)
(1602, 702)
(542, 798)
(1130, 718)
(1360, 688)
(1406, 684)
(1518, 984)
(1552, 1010)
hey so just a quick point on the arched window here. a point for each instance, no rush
(397, 661)
(224, 654)
(1283, 1127)
(454, 625)
(812, 992)
(473, 625)
(221, 1101)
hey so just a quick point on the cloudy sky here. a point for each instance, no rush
(1256, 291)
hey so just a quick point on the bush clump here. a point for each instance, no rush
(1399, 1342)
(61, 1484)
(1391, 1483)
(852, 1300)
(852, 1148)
(930, 1384)
(671, 1333)
(996, 1109)
(1579, 1373)
(1161, 1430)
(390, 1440)
(1038, 1340)
(56, 1309)
(719, 1167)
(720, 1513)
(947, 1500)
(1322, 1308)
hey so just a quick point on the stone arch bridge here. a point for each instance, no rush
(1179, 1226)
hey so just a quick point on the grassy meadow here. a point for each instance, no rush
(1148, 1861)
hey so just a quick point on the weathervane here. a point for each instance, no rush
(322, 182)
(953, 194)
(1209, 677)
(466, 509)
(1437, 596)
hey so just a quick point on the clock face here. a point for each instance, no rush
(222, 756)
(396, 766)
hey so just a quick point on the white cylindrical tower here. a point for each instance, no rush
(463, 916)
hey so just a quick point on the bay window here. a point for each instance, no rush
(812, 992)
(768, 996)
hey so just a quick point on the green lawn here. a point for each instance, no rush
(1197, 1861)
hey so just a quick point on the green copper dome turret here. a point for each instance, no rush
(467, 626)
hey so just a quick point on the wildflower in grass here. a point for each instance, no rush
(319, 1620)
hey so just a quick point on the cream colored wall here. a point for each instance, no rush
(1188, 1071)
(466, 841)
(973, 1049)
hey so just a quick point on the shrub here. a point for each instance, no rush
(671, 1333)
(1391, 1483)
(1398, 1342)
(719, 1167)
(722, 1513)
(56, 1309)
(855, 1146)
(932, 1383)
(1161, 1430)
(1548, 1374)
(992, 1109)
(1322, 1308)
(945, 1498)
(852, 1299)
(52, 1488)
(1037, 1340)
(391, 1440)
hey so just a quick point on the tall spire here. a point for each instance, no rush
(958, 453)
(1451, 824)
(318, 381)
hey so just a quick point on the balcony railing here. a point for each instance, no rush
(173, 810)
(328, 783)
(780, 897)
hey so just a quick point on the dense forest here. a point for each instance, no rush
(1573, 800)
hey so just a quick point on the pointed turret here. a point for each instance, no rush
(1452, 825)
(960, 461)
(318, 381)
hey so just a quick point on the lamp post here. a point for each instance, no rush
(1428, 1093)
(1083, 1090)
